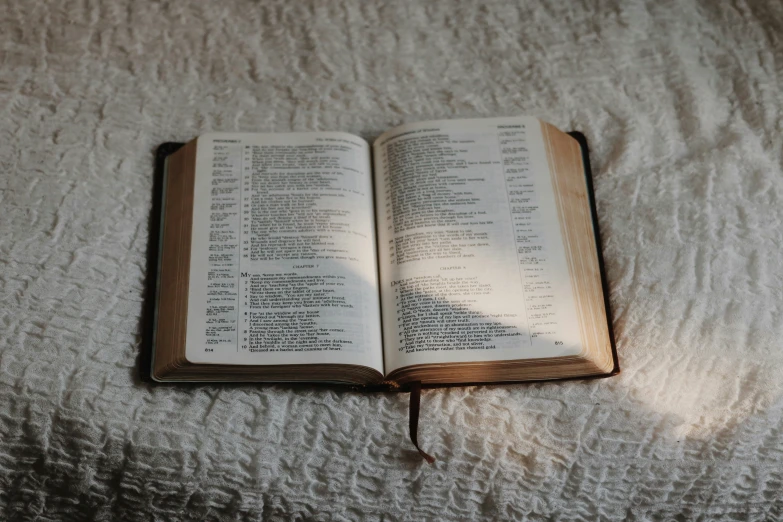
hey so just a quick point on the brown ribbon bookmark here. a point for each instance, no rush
(414, 420)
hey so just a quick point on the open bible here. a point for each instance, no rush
(447, 252)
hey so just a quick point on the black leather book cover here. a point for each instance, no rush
(153, 245)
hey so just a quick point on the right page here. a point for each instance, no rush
(472, 259)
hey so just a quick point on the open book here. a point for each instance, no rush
(446, 252)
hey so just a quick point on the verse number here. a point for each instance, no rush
(558, 343)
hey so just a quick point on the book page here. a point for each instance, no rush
(283, 258)
(471, 255)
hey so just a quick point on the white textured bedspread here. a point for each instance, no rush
(681, 102)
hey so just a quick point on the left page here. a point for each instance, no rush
(283, 262)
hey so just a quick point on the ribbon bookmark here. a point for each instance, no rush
(414, 420)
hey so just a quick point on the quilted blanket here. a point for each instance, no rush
(681, 102)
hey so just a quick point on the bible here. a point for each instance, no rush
(444, 253)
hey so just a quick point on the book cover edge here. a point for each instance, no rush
(583, 145)
(151, 283)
